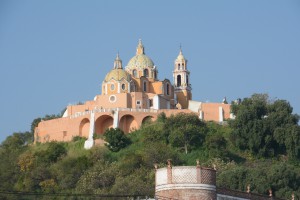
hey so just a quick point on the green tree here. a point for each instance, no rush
(265, 128)
(186, 131)
(116, 139)
(54, 151)
(98, 179)
(69, 170)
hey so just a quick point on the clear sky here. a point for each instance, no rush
(53, 53)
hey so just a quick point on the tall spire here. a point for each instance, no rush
(180, 49)
(118, 62)
(140, 48)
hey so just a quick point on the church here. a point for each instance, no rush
(130, 96)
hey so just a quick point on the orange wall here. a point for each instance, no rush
(211, 111)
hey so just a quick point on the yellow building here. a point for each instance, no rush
(129, 97)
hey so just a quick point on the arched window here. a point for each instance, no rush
(134, 72)
(187, 80)
(146, 73)
(132, 88)
(145, 86)
(178, 66)
(178, 80)
(112, 87)
(155, 74)
(168, 89)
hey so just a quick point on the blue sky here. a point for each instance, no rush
(53, 53)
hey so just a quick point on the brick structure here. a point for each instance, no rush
(196, 183)
(185, 182)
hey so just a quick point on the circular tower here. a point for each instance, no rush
(185, 182)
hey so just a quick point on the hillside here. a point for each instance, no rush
(261, 148)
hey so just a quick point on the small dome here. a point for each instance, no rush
(180, 57)
(140, 61)
(117, 74)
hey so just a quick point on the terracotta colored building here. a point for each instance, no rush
(130, 96)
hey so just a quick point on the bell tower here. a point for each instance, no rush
(181, 77)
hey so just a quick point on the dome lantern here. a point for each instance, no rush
(117, 73)
(140, 61)
(118, 62)
(140, 48)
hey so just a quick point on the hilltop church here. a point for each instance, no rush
(130, 96)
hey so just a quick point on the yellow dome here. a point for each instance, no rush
(140, 61)
(117, 74)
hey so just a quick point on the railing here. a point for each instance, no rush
(100, 110)
(185, 175)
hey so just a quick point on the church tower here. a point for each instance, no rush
(182, 84)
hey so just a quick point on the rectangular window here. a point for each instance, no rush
(150, 102)
(138, 102)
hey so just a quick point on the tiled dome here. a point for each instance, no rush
(117, 74)
(140, 61)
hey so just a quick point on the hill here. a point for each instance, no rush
(259, 148)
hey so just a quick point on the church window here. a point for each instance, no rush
(155, 75)
(112, 87)
(123, 86)
(178, 80)
(145, 86)
(146, 73)
(187, 79)
(112, 98)
(178, 66)
(134, 72)
(183, 64)
(132, 88)
(168, 89)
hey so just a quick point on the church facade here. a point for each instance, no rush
(130, 96)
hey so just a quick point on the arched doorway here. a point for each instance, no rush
(128, 123)
(84, 128)
(102, 123)
(147, 119)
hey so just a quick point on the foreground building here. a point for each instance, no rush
(197, 183)
(130, 97)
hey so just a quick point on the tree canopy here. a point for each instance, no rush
(266, 127)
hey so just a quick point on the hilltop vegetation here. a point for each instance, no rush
(261, 147)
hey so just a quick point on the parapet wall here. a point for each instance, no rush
(185, 182)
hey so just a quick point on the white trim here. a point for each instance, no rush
(112, 101)
(119, 87)
(221, 117)
(89, 143)
(116, 119)
(196, 186)
(201, 114)
(156, 102)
